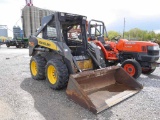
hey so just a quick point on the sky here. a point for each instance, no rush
(137, 13)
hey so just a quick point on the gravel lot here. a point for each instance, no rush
(22, 98)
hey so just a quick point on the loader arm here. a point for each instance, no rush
(44, 23)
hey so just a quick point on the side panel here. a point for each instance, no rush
(48, 44)
(133, 46)
(33, 42)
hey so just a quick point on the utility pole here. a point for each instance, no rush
(124, 27)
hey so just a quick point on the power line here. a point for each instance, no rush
(17, 21)
(124, 27)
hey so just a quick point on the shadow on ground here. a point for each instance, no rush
(154, 76)
(54, 105)
(150, 80)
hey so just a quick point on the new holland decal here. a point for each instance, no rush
(44, 43)
(48, 44)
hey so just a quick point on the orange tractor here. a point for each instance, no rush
(136, 57)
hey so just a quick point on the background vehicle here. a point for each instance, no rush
(58, 58)
(18, 42)
(136, 57)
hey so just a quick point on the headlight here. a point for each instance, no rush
(153, 47)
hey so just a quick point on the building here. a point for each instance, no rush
(16, 32)
(21, 34)
(3, 30)
(31, 19)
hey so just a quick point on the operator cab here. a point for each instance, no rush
(58, 29)
(97, 31)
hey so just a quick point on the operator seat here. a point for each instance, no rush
(92, 38)
(101, 39)
(107, 46)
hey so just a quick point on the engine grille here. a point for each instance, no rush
(153, 52)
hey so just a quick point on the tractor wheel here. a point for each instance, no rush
(148, 71)
(37, 67)
(132, 67)
(56, 74)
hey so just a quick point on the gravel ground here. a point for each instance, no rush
(22, 98)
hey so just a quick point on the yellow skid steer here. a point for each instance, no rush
(77, 64)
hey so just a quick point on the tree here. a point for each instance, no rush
(112, 34)
(137, 34)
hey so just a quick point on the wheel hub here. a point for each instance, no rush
(130, 69)
(52, 74)
(34, 68)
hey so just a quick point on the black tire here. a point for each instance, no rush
(60, 74)
(136, 66)
(23, 46)
(40, 67)
(18, 46)
(148, 71)
(8, 46)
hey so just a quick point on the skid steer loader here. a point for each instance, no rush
(78, 64)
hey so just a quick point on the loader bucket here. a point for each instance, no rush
(100, 89)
